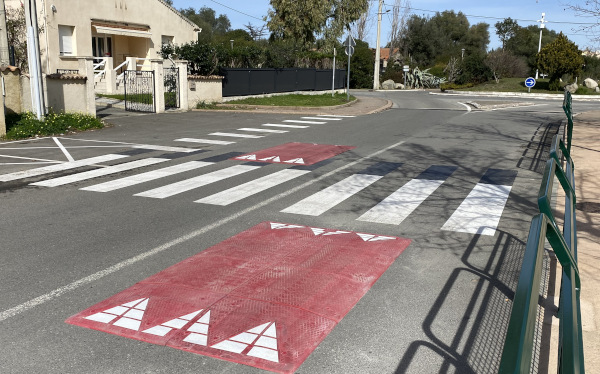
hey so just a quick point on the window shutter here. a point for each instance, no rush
(65, 35)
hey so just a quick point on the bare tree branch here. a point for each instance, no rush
(590, 9)
(400, 15)
(363, 25)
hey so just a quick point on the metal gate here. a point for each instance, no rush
(139, 91)
(171, 81)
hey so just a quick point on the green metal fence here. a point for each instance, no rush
(518, 345)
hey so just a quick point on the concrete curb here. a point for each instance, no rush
(387, 106)
(247, 107)
(517, 94)
(300, 110)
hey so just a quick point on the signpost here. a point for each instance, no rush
(406, 69)
(350, 44)
(333, 79)
(529, 82)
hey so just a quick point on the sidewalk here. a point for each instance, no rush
(585, 151)
(363, 105)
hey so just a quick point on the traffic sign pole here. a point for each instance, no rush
(350, 44)
(333, 79)
(529, 82)
(348, 82)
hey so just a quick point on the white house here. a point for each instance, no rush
(106, 28)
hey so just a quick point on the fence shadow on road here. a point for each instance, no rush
(476, 346)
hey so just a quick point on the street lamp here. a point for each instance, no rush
(231, 43)
(542, 26)
(462, 54)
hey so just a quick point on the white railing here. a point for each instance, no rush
(120, 76)
(141, 66)
(99, 68)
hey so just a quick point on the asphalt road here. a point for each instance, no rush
(442, 306)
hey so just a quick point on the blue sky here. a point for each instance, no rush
(241, 12)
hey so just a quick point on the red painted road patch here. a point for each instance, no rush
(295, 153)
(265, 297)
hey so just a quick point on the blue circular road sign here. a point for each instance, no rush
(529, 82)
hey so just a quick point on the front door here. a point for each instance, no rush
(102, 46)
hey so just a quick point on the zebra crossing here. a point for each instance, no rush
(260, 132)
(479, 212)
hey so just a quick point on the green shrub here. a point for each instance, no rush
(455, 86)
(395, 73)
(584, 91)
(27, 125)
(438, 70)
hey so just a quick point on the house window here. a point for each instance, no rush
(166, 39)
(65, 40)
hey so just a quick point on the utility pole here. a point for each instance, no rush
(542, 26)
(4, 54)
(33, 58)
(377, 52)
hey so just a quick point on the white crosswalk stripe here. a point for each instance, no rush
(480, 212)
(78, 177)
(234, 135)
(305, 122)
(204, 141)
(400, 204)
(335, 116)
(321, 118)
(286, 126)
(326, 199)
(262, 130)
(60, 167)
(251, 188)
(197, 182)
(146, 177)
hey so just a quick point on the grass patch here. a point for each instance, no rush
(112, 96)
(518, 85)
(26, 125)
(296, 100)
(205, 105)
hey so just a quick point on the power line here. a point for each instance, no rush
(500, 18)
(235, 10)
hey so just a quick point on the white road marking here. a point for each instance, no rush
(141, 146)
(466, 106)
(305, 122)
(98, 172)
(480, 212)
(233, 135)
(204, 141)
(400, 204)
(146, 177)
(263, 130)
(33, 159)
(58, 292)
(163, 148)
(30, 163)
(193, 183)
(321, 118)
(326, 199)
(63, 149)
(335, 115)
(245, 190)
(61, 167)
(288, 126)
